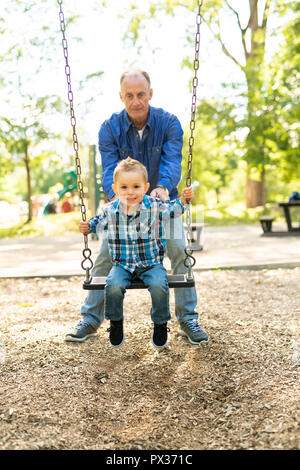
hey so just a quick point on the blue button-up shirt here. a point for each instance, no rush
(159, 149)
(137, 240)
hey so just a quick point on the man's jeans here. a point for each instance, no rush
(154, 278)
(185, 297)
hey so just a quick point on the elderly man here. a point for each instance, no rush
(154, 137)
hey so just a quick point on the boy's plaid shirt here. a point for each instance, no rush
(137, 240)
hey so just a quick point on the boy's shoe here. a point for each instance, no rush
(116, 334)
(193, 331)
(82, 331)
(160, 335)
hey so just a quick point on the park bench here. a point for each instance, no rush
(266, 223)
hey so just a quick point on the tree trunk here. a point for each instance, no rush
(254, 71)
(255, 192)
(28, 179)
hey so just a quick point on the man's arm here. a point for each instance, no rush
(109, 158)
(171, 156)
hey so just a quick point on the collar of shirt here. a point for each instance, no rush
(128, 123)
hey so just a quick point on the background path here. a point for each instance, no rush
(235, 246)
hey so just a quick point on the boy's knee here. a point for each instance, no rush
(115, 287)
(158, 287)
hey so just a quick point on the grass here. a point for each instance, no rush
(53, 224)
(59, 224)
(236, 214)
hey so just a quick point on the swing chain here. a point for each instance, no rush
(190, 261)
(87, 252)
(87, 263)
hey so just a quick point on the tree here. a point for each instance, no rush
(28, 57)
(214, 161)
(253, 32)
(20, 136)
(283, 104)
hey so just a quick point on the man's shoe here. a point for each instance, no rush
(160, 335)
(193, 331)
(116, 334)
(81, 332)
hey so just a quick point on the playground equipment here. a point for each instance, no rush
(69, 185)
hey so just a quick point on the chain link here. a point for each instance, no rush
(190, 261)
(87, 263)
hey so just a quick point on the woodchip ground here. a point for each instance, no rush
(240, 391)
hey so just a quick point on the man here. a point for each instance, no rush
(153, 137)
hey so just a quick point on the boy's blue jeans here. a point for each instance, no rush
(154, 278)
(185, 298)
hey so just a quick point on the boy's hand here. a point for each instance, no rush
(84, 227)
(160, 193)
(187, 195)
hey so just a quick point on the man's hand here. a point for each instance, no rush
(160, 193)
(84, 227)
(187, 195)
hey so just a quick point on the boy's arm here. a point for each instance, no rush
(170, 209)
(176, 208)
(90, 226)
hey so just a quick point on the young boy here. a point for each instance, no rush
(134, 223)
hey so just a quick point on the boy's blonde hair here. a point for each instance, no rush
(129, 164)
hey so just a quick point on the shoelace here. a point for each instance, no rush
(82, 323)
(193, 324)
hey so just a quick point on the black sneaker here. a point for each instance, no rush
(81, 332)
(116, 335)
(160, 335)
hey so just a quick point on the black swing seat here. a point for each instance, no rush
(175, 280)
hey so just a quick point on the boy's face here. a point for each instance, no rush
(130, 187)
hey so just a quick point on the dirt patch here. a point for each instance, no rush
(240, 391)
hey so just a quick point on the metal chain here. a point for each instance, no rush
(87, 252)
(87, 263)
(190, 261)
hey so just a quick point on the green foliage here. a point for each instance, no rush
(235, 214)
(262, 127)
(214, 161)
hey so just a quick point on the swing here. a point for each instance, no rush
(174, 281)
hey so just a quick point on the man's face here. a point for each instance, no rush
(136, 94)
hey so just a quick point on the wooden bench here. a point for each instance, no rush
(266, 223)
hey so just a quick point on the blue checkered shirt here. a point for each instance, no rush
(136, 240)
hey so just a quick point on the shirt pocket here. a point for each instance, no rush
(156, 151)
(125, 152)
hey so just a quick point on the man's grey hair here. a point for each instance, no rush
(135, 73)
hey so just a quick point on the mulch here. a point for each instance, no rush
(240, 391)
